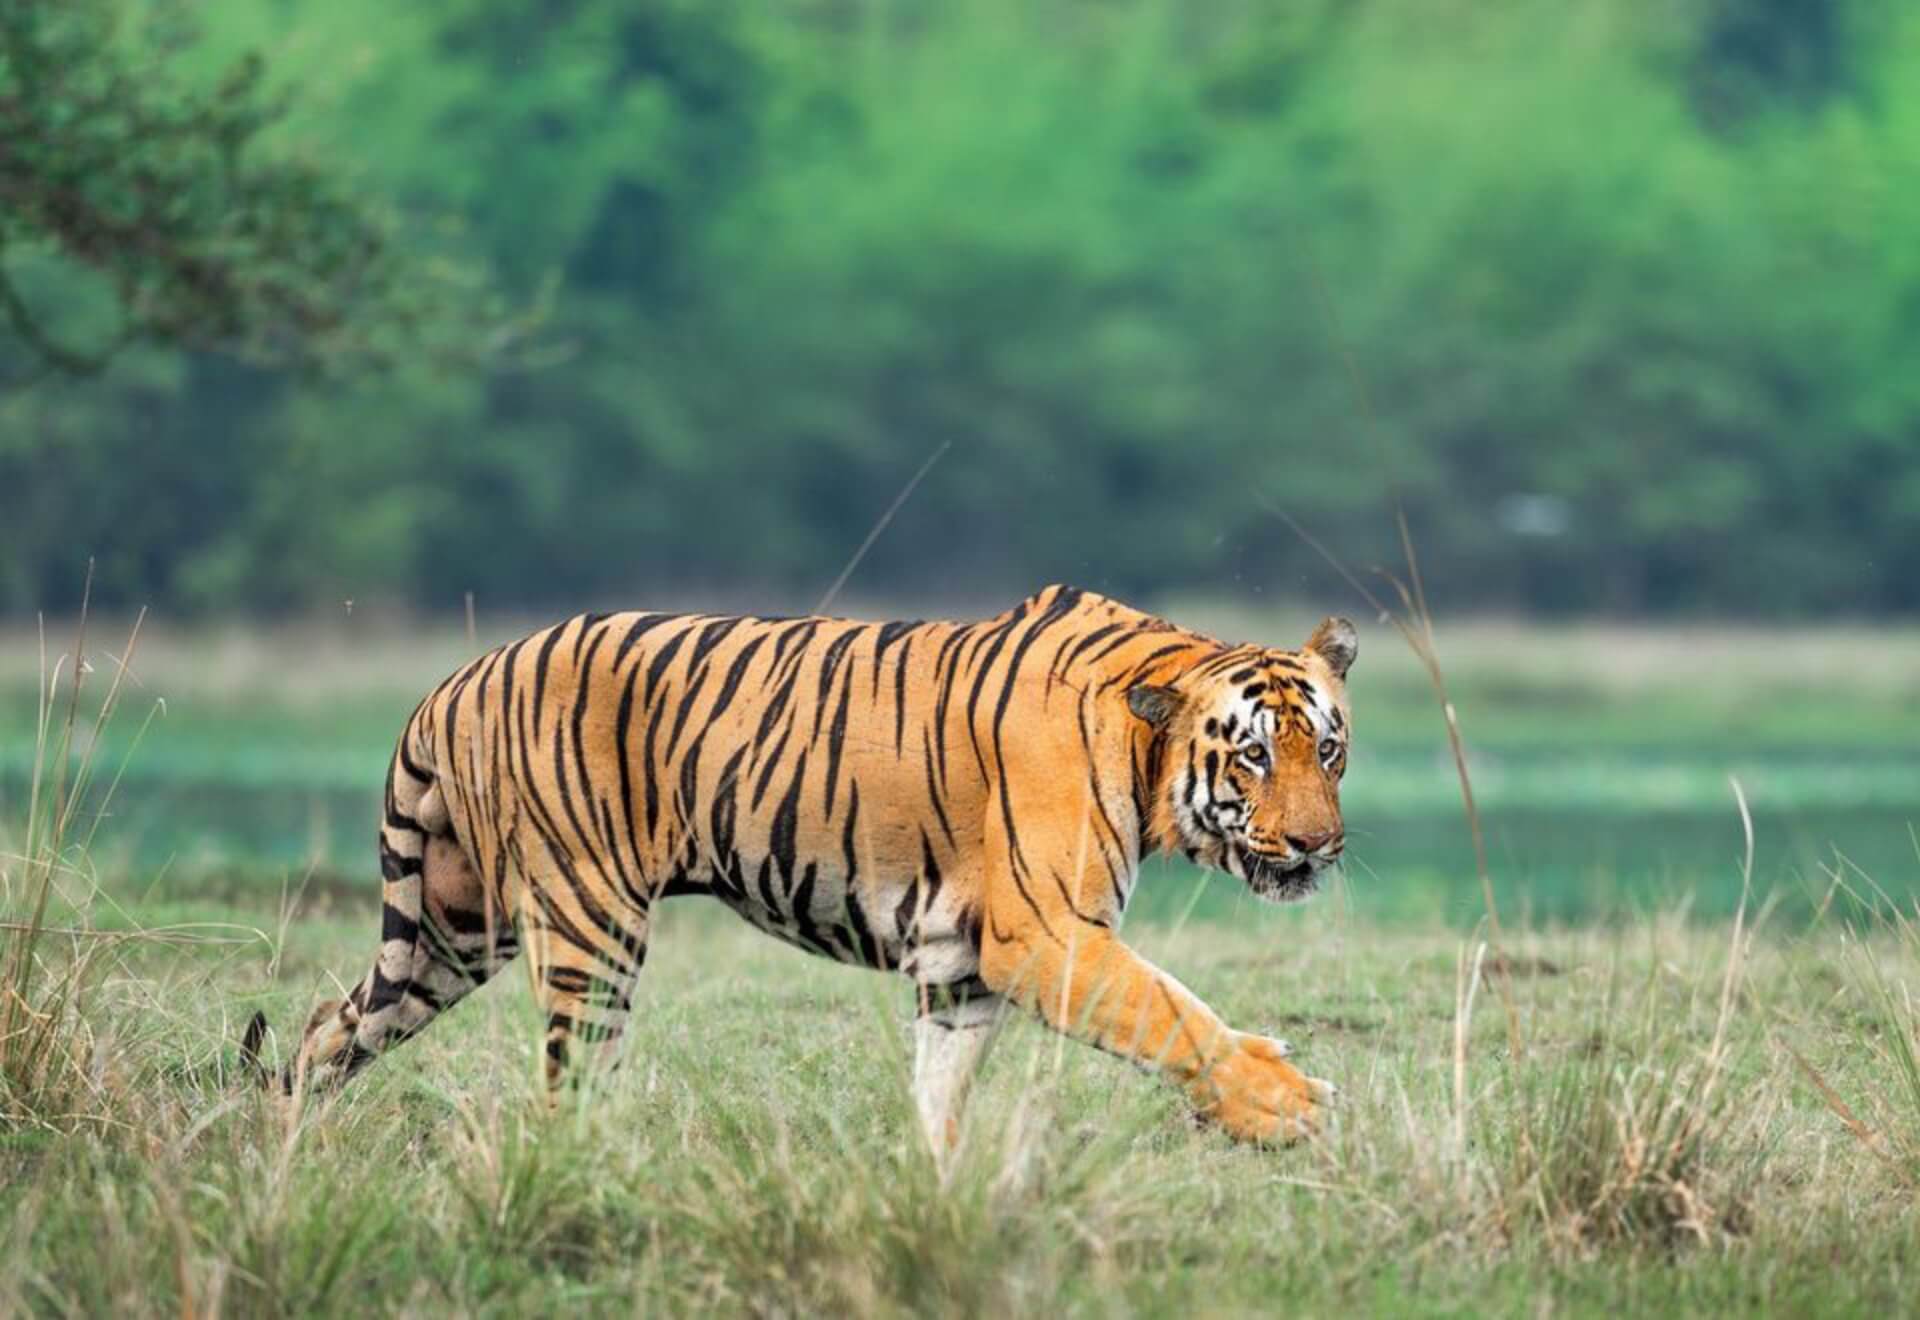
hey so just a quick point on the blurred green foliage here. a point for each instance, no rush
(1629, 286)
(116, 160)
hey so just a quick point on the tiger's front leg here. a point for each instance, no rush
(951, 1035)
(1082, 980)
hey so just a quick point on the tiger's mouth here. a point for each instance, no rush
(1279, 879)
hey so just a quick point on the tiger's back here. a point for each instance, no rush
(823, 777)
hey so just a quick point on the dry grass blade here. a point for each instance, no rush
(1467, 984)
(1853, 1123)
(1414, 623)
(173, 935)
(1736, 947)
(1416, 628)
(906, 491)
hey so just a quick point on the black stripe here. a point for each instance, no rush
(711, 636)
(689, 781)
(777, 704)
(656, 703)
(643, 625)
(735, 673)
(798, 635)
(944, 675)
(982, 669)
(568, 980)
(588, 622)
(783, 840)
(462, 922)
(888, 634)
(698, 675)
(662, 658)
(397, 925)
(933, 790)
(394, 866)
(865, 943)
(848, 843)
(541, 665)
(1062, 606)
(900, 696)
(905, 910)
(1065, 659)
(836, 741)
(418, 773)
(725, 793)
(1140, 668)
(809, 930)
(766, 772)
(830, 662)
(622, 731)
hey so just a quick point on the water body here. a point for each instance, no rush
(1567, 840)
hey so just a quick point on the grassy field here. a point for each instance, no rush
(1656, 1108)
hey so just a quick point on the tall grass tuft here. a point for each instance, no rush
(1885, 1117)
(48, 1073)
(1627, 1140)
(52, 1070)
(1631, 1138)
(1896, 1044)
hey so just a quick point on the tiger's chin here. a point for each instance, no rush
(1272, 879)
(1276, 881)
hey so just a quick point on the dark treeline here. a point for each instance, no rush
(1632, 287)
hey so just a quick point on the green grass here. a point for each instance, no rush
(1697, 1116)
(756, 1152)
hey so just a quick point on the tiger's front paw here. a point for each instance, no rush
(1254, 1094)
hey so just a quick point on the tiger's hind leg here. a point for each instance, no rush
(442, 937)
(587, 947)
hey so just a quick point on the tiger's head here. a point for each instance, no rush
(1252, 747)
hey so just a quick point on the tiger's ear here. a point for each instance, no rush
(1337, 643)
(1156, 705)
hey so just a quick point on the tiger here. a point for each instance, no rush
(967, 804)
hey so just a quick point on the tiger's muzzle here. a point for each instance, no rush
(1287, 878)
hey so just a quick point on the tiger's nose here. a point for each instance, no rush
(1313, 843)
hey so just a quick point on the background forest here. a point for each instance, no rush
(613, 301)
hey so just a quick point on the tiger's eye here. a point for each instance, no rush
(1254, 754)
(1327, 748)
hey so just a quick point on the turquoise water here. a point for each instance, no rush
(1569, 838)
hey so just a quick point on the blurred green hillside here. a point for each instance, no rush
(1632, 286)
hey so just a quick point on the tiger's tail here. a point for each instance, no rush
(342, 1035)
(250, 1042)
